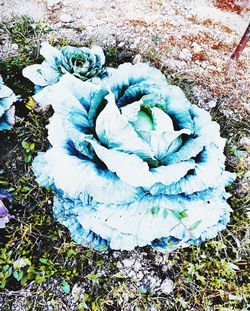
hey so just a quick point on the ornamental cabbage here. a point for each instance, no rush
(7, 109)
(4, 213)
(133, 163)
(84, 63)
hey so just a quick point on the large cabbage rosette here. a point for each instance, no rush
(133, 163)
(7, 109)
(84, 63)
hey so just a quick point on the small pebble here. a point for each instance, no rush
(137, 266)
(66, 18)
(245, 141)
(211, 104)
(185, 54)
(128, 263)
(167, 286)
(14, 46)
(137, 59)
(54, 4)
(121, 44)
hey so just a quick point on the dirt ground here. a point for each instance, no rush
(195, 37)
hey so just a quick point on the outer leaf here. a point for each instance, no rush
(65, 287)
(195, 225)
(41, 75)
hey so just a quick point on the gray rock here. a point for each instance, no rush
(14, 46)
(66, 18)
(53, 4)
(153, 281)
(127, 263)
(196, 48)
(139, 276)
(132, 274)
(119, 265)
(185, 54)
(137, 266)
(167, 286)
(121, 44)
(211, 104)
(137, 59)
(245, 141)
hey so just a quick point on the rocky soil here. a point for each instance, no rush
(195, 38)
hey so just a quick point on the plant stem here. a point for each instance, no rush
(242, 44)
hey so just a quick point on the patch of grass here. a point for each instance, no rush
(61, 42)
(215, 275)
(24, 31)
(111, 52)
(11, 70)
(116, 56)
(181, 80)
(152, 56)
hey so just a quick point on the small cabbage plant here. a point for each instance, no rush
(84, 63)
(4, 213)
(7, 109)
(133, 163)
